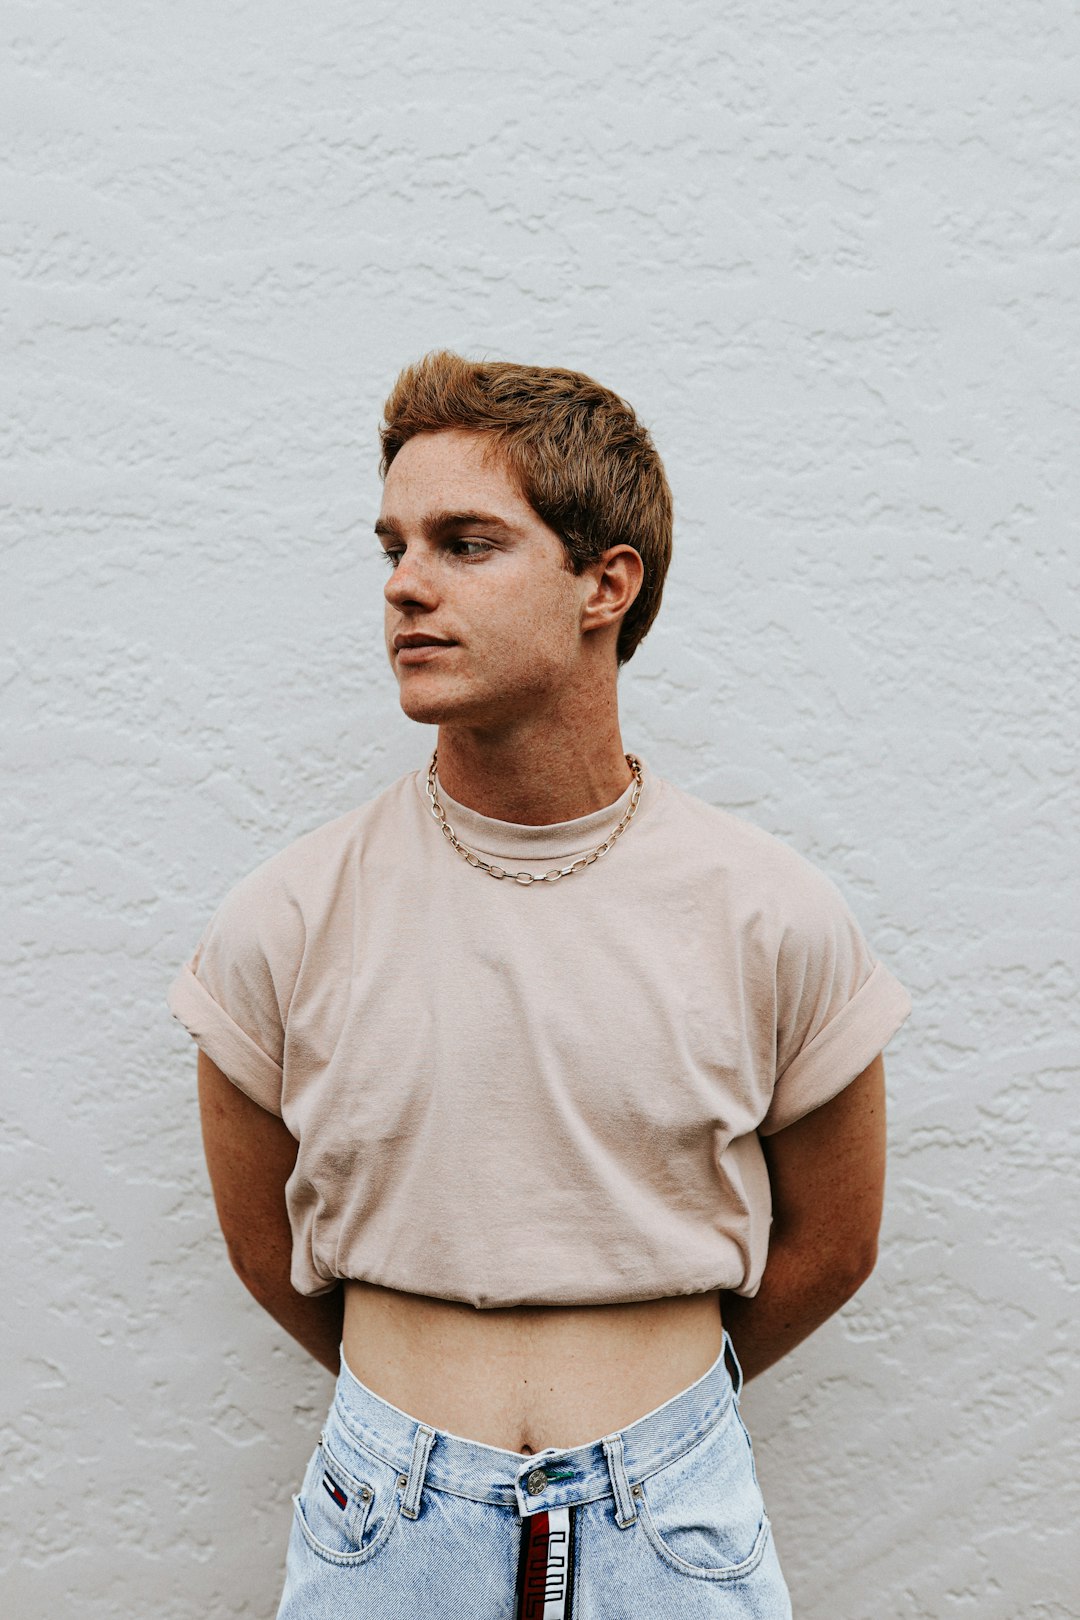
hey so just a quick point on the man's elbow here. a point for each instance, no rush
(836, 1270)
(856, 1265)
(264, 1276)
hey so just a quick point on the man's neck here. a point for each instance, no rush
(534, 782)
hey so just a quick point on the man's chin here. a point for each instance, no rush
(424, 717)
(432, 709)
(489, 710)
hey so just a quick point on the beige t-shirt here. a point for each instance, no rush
(535, 1094)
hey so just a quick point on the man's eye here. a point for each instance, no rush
(394, 554)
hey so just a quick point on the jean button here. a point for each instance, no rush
(536, 1482)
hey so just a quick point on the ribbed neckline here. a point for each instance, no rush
(513, 840)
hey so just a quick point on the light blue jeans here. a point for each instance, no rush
(662, 1519)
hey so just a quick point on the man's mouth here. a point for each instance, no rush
(415, 638)
(420, 649)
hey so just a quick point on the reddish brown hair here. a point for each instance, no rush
(580, 457)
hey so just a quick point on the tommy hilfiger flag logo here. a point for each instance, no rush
(545, 1578)
(335, 1491)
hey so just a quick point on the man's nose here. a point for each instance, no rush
(411, 579)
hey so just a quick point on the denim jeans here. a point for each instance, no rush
(662, 1519)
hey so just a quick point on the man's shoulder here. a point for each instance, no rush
(731, 831)
(318, 857)
(759, 863)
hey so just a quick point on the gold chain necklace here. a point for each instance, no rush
(525, 878)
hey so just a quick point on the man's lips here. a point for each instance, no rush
(417, 638)
(420, 650)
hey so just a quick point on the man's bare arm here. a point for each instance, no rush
(250, 1154)
(828, 1181)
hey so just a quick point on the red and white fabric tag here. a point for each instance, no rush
(545, 1580)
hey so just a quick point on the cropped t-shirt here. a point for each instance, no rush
(529, 1094)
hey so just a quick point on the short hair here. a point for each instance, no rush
(581, 458)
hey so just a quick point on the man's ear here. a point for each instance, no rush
(617, 575)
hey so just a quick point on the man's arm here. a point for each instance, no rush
(250, 1154)
(828, 1181)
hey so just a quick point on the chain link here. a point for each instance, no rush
(525, 878)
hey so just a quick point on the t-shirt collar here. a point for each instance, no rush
(509, 840)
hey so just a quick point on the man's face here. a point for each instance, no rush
(474, 566)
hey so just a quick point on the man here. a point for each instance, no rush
(512, 1078)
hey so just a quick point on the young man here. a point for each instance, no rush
(512, 1078)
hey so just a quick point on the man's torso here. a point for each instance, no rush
(526, 1377)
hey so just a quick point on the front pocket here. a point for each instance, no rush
(704, 1513)
(342, 1516)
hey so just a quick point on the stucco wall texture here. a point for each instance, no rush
(830, 252)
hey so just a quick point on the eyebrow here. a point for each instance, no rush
(435, 524)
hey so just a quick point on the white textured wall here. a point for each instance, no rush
(830, 251)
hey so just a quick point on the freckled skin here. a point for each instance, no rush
(526, 704)
(513, 607)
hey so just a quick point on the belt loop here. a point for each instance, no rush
(422, 1444)
(729, 1352)
(625, 1510)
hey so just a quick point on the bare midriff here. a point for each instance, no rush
(527, 1377)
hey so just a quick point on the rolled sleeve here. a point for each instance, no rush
(234, 1051)
(840, 1051)
(232, 995)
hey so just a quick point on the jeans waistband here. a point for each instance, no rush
(539, 1481)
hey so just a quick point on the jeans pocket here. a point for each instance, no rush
(346, 1509)
(704, 1513)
